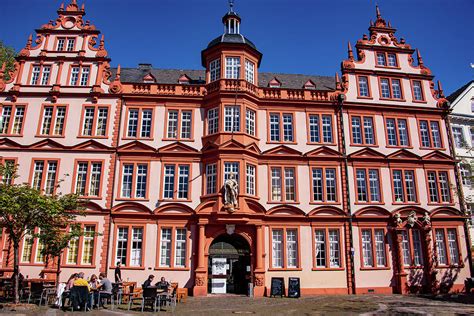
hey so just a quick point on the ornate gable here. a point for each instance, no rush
(136, 147)
(438, 157)
(177, 148)
(367, 153)
(91, 145)
(403, 154)
(281, 151)
(323, 152)
(47, 144)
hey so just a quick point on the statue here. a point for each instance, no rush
(231, 193)
(411, 218)
(398, 219)
(426, 218)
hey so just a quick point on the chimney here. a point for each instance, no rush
(143, 66)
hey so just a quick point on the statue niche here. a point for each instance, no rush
(231, 194)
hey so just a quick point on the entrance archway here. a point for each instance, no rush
(229, 265)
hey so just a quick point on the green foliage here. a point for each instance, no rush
(7, 55)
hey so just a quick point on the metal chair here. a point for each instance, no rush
(149, 295)
(36, 292)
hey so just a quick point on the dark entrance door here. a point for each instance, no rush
(229, 265)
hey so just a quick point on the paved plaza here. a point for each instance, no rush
(317, 305)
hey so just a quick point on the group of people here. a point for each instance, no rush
(95, 285)
(162, 284)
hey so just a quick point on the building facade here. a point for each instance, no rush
(227, 176)
(462, 129)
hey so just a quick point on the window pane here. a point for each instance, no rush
(85, 76)
(435, 134)
(314, 129)
(74, 76)
(249, 71)
(277, 248)
(391, 132)
(169, 182)
(361, 185)
(5, 121)
(142, 171)
(417, 248)
(417, 92)
(384, 85)
(250, 122)
(172, 124)
(334, 261)
(215, 69)
(213, 120)
(183, 182)
(356, 130)
(232, 119)
(363, 87)
(398, 186)
(81, 178)
(441, 247)
(403, 132)
(287, 127)
(406, 249)
(132, 123)
(396, 89)
(444, 186)
(380, 247)
(122, 242)
(392, 60)
(453, 246)
(127, 177)
(186, 124)
(317, 184)
(50, 184)
(211, 178)
(38, 175)
(180, 248)
(101, 128)
(276, 184)
(330, 185)
(146, 123)
(274, 127)
(410, 186)
(374, 186)
(89, 113)
(47, 119)
(320, 251)
(292, 248)
(381, 61)
(433, 187)
(59, 122)
(425, 136)
(88, 247)
(327, 128)
(367, 248)
(290, 190)
(250, 179)
(165, 254)
(369, 131)
(136, 251)
(232, 68)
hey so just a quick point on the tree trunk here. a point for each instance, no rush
(16, 292)
(58, 269)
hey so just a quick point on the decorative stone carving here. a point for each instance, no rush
(200, 280)
(259, 280)
(231, 194)
(398, 220)
(411, 219)
(230, 229)
(426, 219)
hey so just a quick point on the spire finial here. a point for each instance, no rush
(377, 11)
(117, 75)
(338, 82)
(231, 5)
(349, 51)
(440, 90)
(62, 6)
(418, 57)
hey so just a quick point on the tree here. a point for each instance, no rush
(7, 56)
(22, 209)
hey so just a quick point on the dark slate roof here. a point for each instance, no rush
(171, 76)
(453, 96)
(231, 39)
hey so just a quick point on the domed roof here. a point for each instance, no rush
(231, 39)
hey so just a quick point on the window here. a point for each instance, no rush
(45, 175)
(88, 178)
(232, 67)
(324, 184)
(79, 76)
(368, 185)
(404, 186)
(327, 248)
(173, 241)
(373, 248)
(139, 123)
(390, 88)
(363, 130)
(176, 181)
(95, 120)
(281, 127)
(179, 124)
(40, 75)
(213, 121)
(387, 59)
(27, 251)
(232, 118)
(458, 136)
(129, 246)
(249, 71)
(412, 248)
(53, 120)
(417, 90)
(211, 178)
(215, 70)
(7, 178)
(430, 134)
(472, 136)
(466, 175)
(250, 122)
(65, 44)
(134, 181)
(231, 168)
(320, 128)
(447, 249)
(285, 248)
(9, 126)
(363, 86)
(283, 184)
(438, 186)
(85, 243)
(397, 132)
(250, 179)
(32, 248)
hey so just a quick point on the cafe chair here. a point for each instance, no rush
(36, 292)
(149, 295)
(170, 299)
(79, 297)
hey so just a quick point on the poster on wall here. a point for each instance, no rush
(219, 266)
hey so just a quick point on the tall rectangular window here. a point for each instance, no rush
(134, 180)
(430, 134)
(176, 181)
(453, 246)
(314, 128)
(327, 128)
(79, 76)
(129, 248)
(274, 127)
(404, 186)
(441, 247)
(11, 126)
(165, 251)
(88, 177)
(213, 121)
(232, 118)
(60, 44)
(231, 168)
(45, 175)
(85, 243)
(363, 130)
(281, 127)
(381, 59)
(397, 132)
(412, 248)
(180, 248)
(285, 248)
(53, 120)
(417, 90)
(373, 247)
(368, 185)
(95, 121)
(40, 75)
(458, 135)
(122, 245)
(396, 89)
(320, 248)
(215, 70)
(7, 178)
(173, 241)
(385, 88)
(438, 186)
(249, 71)
(250, 122)
(179, 124)
(324, 184)
(250, 179)
(391, 60)
(292, 248)
(363, 86)
(283, 189)
(139, 123)
(70, 44)
(277, 248)
(211, 178)
(232, 67)
(367, 246)
(27, 251)
(136, 249)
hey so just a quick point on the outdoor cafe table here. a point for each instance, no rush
(126, 286)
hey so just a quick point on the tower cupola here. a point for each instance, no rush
(231, 21)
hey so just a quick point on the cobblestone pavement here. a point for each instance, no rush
(366, 305)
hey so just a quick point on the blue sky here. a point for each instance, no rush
(295, 36)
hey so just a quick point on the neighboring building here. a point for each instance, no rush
(158, 152)
(462, 129)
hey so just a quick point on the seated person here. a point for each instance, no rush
(104, 287)
(80, 281)
(163, 284)
(148, 281)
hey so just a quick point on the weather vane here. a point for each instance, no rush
(231, 5)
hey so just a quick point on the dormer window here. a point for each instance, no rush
(309, 85)
(66, 44)
(274, 83)
(148, 78)
(232, 67)
(184, 79)
(250, 71)
(215, 70)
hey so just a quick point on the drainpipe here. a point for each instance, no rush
(340, 101)
(459, 190)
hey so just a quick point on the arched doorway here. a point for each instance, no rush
(229, 265)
